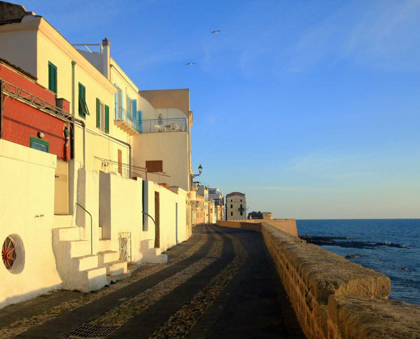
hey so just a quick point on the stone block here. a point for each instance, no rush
(358, 317)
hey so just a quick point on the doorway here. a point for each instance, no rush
(176, 222)
(61, 194)
(157, 220)
(120, 162)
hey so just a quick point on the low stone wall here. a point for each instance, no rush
(335, 298)
(285, 225)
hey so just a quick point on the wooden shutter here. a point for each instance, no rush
(52, 77)
(154, 166)
(98, 113)
(120, 161)
(55, 79)
(106, 119)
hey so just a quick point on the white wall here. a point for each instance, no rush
(28, 191)
(121, 211)
(167, 214)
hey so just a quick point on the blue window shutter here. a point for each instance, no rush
(106, 119)
(139, 116)
(134, 108)
(116, 102)
(122, 105)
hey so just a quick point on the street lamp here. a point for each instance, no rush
(200, 169)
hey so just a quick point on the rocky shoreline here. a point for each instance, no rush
(347, 242)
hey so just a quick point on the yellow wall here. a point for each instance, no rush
(235, 201)
(171, 148)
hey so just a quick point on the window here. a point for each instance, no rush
(102, 116)
(242, 213)
(39, 144)
(83, 109)
(241, 205)
(231, 205)
(52, 77)
(231, 214)
(241, 201)
(154, 166)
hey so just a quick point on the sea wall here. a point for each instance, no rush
(285, 225)
(335, 298)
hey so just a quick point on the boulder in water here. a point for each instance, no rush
(353, 256)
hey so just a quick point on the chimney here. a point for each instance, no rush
(106, 57)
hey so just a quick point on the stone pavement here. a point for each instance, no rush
(219, 284)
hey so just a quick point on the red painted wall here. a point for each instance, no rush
(22, 121)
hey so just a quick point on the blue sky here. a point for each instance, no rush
(311, 108)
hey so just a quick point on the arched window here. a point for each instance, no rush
(160, 121)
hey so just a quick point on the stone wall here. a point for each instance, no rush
(335, 298)
(285, 225)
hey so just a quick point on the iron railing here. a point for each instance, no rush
(91, 226)
(164, 125)
(151, 125)
(128, 118)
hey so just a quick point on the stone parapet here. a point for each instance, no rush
(285, 225)
(360, 318)
(331, 296)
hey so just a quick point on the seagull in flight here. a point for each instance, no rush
(190, 63)
(216, 31)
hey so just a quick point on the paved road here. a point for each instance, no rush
(220, 283)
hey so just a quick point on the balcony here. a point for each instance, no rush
(127, 122)
(163, 125)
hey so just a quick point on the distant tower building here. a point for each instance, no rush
(235, 206)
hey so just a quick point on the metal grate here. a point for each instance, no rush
(91, 331)
(125, 246)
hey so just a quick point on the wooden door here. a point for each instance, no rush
(61, 197)
(176, 222)
(120, 162)
(157, 220)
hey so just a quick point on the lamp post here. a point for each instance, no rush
(200, 169)
(192, 176)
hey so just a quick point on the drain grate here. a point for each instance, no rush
(91, 331)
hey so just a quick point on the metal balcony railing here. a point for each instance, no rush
(127, 117)
(151, 125)
(163, 125)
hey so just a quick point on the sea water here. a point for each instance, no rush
(401, 265)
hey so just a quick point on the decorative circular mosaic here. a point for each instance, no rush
(8, 253)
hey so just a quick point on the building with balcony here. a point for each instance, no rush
(236, 206)
(218, 199)
(84, 143)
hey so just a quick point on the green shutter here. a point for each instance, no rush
(55, 79)
(49, 76)
(52, 77)
(98, 113)
(106, 119)
(83, 109)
